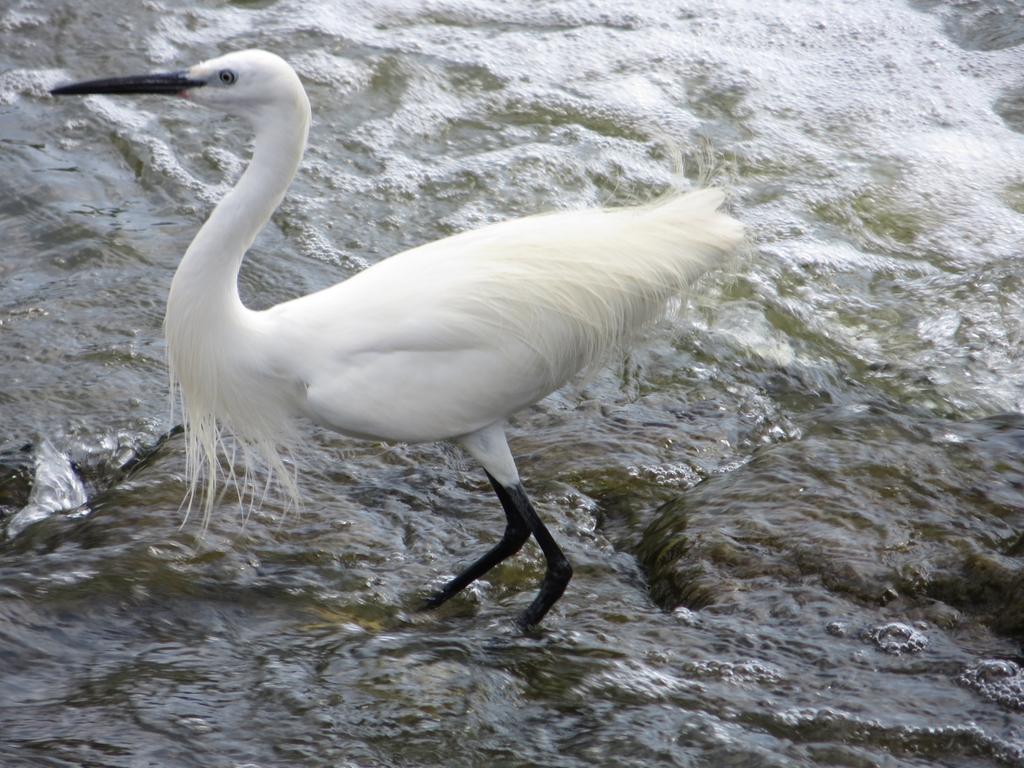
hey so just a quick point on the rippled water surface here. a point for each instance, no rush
(795, 514)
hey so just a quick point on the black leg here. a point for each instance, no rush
(558, 572)
(522, 521)
(516, 534)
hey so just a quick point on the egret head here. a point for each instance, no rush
(247, 83)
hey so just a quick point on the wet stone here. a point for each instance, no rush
(837, 628)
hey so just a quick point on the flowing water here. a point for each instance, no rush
(795, 514)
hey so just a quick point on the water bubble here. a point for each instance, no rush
(675, 474)
(738, 673)
(997, 680)
(897, 638)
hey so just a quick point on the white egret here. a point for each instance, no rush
(440, 342)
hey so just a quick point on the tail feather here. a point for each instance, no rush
(576, 286)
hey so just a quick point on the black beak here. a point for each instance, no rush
(165, 82)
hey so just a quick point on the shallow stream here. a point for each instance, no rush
(796, 513)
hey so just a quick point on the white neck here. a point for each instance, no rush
(210, 334)
(205, 286)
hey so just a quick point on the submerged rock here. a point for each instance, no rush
(916, 515)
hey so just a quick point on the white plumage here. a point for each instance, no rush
(443, 341)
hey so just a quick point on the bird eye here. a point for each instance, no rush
(227, 76)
